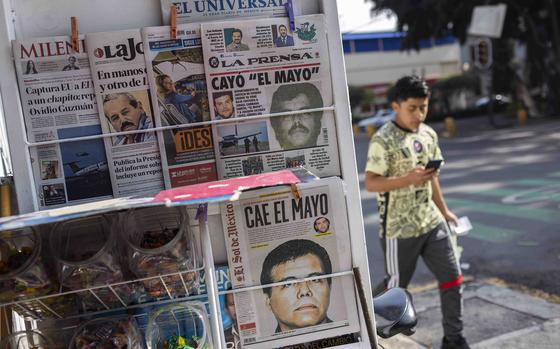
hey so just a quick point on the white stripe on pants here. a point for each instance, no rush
(392, 262)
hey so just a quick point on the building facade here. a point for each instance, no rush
(375, 60)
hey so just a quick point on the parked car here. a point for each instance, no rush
(380, 118)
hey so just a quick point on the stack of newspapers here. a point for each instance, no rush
(226, 99)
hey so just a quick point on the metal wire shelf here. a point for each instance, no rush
(63, 305)
(181, 316)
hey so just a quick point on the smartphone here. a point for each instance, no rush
(435, 164)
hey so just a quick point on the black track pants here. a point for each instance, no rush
(435, 248)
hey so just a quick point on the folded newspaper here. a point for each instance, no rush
(273, 237)
(179, 96)
(58, 102)
(258, 67)
(121, 87)
(463, 226)
(189, 11)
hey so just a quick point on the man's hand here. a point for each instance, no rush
(450, 217)
(419, 176)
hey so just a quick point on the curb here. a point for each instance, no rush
(524, 337)
(540, 334)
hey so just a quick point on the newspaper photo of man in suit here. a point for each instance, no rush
(283, 39)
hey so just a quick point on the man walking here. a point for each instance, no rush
(411, 206)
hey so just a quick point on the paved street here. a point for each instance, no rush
(507, 181)
(496, 317)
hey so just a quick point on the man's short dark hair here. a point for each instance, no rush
(217, 95)
(282, 25)
(237, 30)
(131, 99)
(289, 251)
(410, 86)
(288, 92)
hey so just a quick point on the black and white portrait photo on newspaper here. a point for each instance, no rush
(301, 130)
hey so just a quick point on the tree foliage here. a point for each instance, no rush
(533, 22)
(526, 20)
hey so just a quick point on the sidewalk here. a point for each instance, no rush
(505, 123)
(496, 317)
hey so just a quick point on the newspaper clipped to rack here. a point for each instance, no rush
(189, 11)
(273, 237)
(259, 67)
(179, 96)
(121, 87)
(58, 102)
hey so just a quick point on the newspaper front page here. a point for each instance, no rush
(179, 96)
(189, 11)
(121, 88)
(273, 237)
(259, 67)
(58, 102)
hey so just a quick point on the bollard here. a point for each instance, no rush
(522, 116)
(450, 127)
(370, 130)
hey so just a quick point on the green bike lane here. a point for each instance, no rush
(532, 199)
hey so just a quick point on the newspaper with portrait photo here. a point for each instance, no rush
(121, 88)
(58, 102)
(274, 237)
(179, 96)
(189, 11)
(260, 67)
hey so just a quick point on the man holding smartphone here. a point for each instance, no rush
(412, 210)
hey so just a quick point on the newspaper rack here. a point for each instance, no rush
(34, 18)
(195, 197)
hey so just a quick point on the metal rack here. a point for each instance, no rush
(44, 307)
(40, 308)
(33, 18)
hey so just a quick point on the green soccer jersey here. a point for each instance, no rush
(393, 151)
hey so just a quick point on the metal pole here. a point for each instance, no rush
(211, 283)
